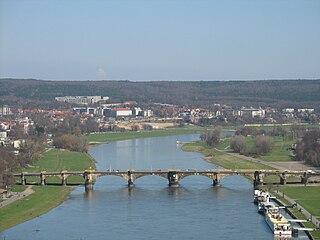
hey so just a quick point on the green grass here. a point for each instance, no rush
(36, 204)
(298, 191)
(45, 197)
(18, 188)
(307, 196)
(58, 160)
(279, 152)
(222, 159)
(116, 136)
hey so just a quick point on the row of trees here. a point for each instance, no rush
(262, 145)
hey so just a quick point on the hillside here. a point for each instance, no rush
(276, 93)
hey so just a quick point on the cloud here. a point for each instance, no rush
(101, 73)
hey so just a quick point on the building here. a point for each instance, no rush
(82, 99)
(305, 110)
(251, 112)
(5, 110)
(117, 112)
(3, 134)
(288, 110)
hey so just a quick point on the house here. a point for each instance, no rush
(252, 112)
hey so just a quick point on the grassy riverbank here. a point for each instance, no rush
(117, 136)
(45, 198)
(40, 202)
(222, 159)
(57, 160)
(306, 196)
(279, 153)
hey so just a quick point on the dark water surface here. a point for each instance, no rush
(151, 210)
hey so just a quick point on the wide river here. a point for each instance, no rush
(151, 210)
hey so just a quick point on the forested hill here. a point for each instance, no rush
(277, 93)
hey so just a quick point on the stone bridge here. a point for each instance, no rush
(173, 176)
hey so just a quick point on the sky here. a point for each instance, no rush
(142, 40)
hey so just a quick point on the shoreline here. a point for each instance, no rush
(9, 210)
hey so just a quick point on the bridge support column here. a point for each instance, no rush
(88, 181)
(258, 179)
(216, 180)
(304, 178)
(130, 179)
(63, 179)
(42, 179)
(23, 179)
(173, 179)
(283, 179)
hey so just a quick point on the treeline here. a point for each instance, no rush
(274, 93)
(252, 141)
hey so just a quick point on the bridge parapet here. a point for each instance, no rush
(173, 176)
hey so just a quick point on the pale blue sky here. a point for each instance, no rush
(160, 40)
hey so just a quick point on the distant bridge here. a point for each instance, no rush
(173, 176)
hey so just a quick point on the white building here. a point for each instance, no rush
(252, 112)
(81, 99)
(288, 110)
(5, 110)
(305, 110)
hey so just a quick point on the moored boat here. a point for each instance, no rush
(278, 223)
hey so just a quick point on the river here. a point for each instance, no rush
(151, 210)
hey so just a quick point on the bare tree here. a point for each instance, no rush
(238, 144)
(263, 144)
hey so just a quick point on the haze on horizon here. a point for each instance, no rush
(160, 40)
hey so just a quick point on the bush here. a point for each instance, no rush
(263, 144)
(238, 144)
(71, 142)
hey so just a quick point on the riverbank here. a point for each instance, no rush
(59, 160)
(97, 138)
(45, 198)
(307, 197)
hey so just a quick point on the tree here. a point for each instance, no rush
(249, 131)
(308, 149)
(238, 144)
(263, 144)
(211, 138)
(71, 142)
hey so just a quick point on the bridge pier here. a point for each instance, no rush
(258, 179)
(131, 179)
(42, 179)
(23, 179)
(63, 179)
(304, 178)
(283, 179)
(173, 179)
(89, 181)
(216, 180)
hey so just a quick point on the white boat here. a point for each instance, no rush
(278, 223)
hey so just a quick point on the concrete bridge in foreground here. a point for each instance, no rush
(173, 176)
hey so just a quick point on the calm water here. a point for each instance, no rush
(151, 210)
